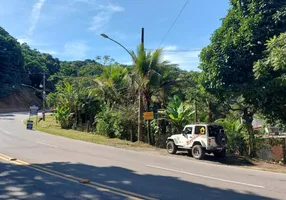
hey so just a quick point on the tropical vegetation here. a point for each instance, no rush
(242, 77)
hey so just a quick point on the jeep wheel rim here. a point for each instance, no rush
(170, 147)
(196, 152)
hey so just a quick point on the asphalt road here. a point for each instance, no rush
(52, 167)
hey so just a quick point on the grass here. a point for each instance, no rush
(52, 127)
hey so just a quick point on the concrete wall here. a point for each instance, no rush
(277, 153)
(271, 153)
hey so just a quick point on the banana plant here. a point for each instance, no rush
(179, 113)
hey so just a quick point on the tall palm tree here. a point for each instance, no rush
(147, 77)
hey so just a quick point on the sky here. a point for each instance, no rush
(70, 29)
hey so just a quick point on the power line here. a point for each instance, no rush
(174, 23)
(179, 50)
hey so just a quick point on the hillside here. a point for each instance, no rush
(19, 100)
(21, 65)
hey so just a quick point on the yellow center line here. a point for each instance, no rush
(97, 186)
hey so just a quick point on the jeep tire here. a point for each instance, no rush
(220, 154)
(171, 147)
(198, 152)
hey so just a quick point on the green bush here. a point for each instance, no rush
(105, 128)
(63, 116)
(121, 129)
(236, 136)
(104, 122)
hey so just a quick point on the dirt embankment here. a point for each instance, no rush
(19, 101)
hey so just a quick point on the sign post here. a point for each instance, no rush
(33, 111)
(148, 116)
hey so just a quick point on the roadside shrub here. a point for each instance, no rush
(236, 142)
(104, 128)
(121, 129)
(104, 123)
(120, 122)
(236, 136)
(63, 116)
(160, 140)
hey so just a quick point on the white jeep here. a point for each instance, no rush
(199, 139)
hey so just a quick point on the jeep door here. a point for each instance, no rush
(189, 134)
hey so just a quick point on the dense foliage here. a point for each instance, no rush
(271, 71)
(228, 62)
(11, 63)
(37, 63)
(243, 76)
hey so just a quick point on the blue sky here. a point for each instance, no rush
(70, 29)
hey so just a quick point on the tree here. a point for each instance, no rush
(227, 63)
(76, 103)
(271, 72)
(11, 63)
(169, 85)
(146, 76)
(111, 83)
(77, 68)
(37, 63)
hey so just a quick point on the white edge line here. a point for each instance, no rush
(46, 144)
(6, 132)
(206, 177)
(244, 168)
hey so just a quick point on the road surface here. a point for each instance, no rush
(52, 167)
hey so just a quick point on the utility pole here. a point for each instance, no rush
(141, 101)
(44, 96)
(140, 113)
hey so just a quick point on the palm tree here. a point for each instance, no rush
(147, 77)
(146, 73)
(111, 83)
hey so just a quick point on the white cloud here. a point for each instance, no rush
(187, 60)
(84, 1)
(110, 8)
(49, 51)
(24, 40)
(31, 42)
(35, 15)
(104, 15)
(76, 50)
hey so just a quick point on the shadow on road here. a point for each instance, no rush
(19, 180)
(228, 160)
(7, 115)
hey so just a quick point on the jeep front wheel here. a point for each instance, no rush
(198, 152)
(171, 147)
